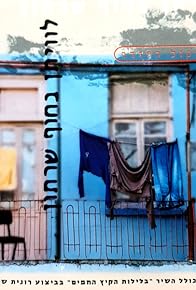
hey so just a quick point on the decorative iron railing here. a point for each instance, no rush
(90, 233)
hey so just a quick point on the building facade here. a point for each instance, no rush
(137, 104)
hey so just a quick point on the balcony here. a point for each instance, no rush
(89, 233)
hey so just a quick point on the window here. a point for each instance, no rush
(27, 140)
(21, 128)
(193, 156)
(140, 113)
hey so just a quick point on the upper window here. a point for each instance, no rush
(21, 98)
(140, 113)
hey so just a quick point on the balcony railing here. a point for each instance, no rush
(90, 233)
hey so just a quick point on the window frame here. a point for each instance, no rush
(35, 84)
(139, 118)
(18, 128)
(140, 136)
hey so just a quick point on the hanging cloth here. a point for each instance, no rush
(94, 158)
(135, 183)
(8, 179)
(167, 175)
(125, 178)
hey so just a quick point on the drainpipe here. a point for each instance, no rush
(58, 201)
(188, 158)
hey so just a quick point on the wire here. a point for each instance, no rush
(87, 128)
(182, 137)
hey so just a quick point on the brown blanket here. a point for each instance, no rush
(134, 183)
